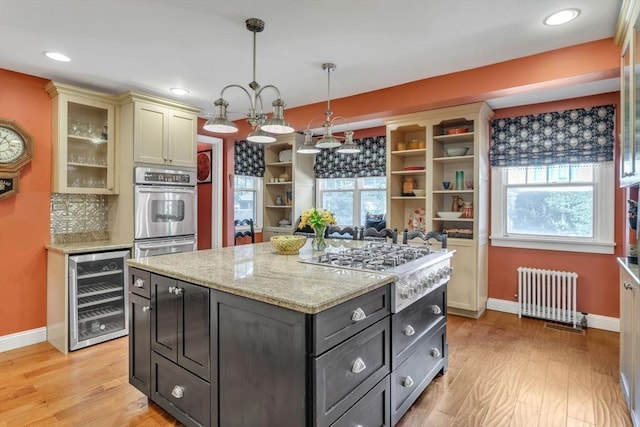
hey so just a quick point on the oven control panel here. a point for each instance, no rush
(411, 287)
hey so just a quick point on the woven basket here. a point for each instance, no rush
(288, 245)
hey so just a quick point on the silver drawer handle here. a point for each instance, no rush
(139, 283)
(146, 308)
(435, 309)
(178, 291)
(358, 366)
(358, 315)
(177, 392)
(628, 285)
(435, 352)
(407, 382)
(408, 331)
(172, 289)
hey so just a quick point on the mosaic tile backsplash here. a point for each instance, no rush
(78, 213)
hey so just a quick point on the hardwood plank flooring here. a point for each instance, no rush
(503, 371)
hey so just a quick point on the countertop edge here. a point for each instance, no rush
(83, 247)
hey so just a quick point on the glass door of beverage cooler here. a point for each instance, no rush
(98, 298)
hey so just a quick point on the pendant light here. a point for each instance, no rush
(262, 125)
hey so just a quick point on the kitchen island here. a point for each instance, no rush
(242, 336)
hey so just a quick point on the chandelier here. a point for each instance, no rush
(263, 127)
(328, 140)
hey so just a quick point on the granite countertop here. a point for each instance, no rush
(632, 269)
(258, 272)
(83, 247)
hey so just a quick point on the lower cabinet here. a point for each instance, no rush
(211, 358)
(630, 342)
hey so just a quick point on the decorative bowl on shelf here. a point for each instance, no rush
(456, 151)
(456, 131)
(449, 214)
(414, 168)
(419, 192)
(284, 222)
(288, 245)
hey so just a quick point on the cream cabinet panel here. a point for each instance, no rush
(83, 130)
(183, 129)
(630, 339)
(151, 124)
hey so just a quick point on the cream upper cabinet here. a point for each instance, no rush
(84, 141)
(445, 152)
(164, 132)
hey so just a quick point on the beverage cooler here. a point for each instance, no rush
(98, 298)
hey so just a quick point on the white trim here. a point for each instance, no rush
(549, 245)
(595, 321)
(216, 188)
(23, 339)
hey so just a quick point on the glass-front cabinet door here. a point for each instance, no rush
(627, 169)
(83, 137)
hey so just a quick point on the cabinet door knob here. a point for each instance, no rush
(172, 289)
(408, 331)
(434, 309)
(110, 188)
(177, 392)
(407, 382)
(628, 285)
(146, 308)
(138, 283)
(358, 315)
(435, 352)
(358, 366)
(178, 291)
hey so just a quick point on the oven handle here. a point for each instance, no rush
(164, 245)
(167, 190)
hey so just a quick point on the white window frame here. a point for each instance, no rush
(603, 216)
(257, 222)
(359, 187)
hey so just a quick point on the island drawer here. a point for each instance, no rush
(371, 410)
(182, 394)
(347, 372)
(409, 380)
(140, 282)
(410, 324)
(338, 323)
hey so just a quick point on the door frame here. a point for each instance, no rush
(216, 188)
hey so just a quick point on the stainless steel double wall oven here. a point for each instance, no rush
(165, 204)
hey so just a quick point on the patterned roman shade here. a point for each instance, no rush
(249, 159)
(583, 135)
(371, 161)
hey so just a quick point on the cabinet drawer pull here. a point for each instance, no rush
(435, 352)
(408, 331)
(138, 283)
(177, 392)
(178, 291)
(146, 308)
(628, 285)
(358, 366)
(435, 309)
(172, 289)
(407, 382)
(358, 315)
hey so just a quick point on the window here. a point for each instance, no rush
(247, 199)
(558, 207)
(350, 199)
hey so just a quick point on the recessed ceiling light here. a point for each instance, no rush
(57, 56)
(561, 17)
(178, 91)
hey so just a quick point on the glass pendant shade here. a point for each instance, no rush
(348, 147)
(308, 147)
(219, 123)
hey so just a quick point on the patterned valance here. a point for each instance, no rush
(249, 159)
(583, 135)
(371, 161)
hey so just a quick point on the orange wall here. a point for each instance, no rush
(24, 218)
(204, 209)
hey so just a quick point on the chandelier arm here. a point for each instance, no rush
(277, 91)
(239, 87)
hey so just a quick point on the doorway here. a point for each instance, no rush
(210, 196)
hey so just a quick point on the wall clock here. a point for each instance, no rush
(16, 146)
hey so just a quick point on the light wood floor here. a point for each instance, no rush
(503, 371)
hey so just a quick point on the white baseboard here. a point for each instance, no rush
(593, 320)
(22, 339)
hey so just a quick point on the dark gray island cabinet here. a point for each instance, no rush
(213, 358)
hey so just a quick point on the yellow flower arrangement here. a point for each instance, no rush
(317, 218)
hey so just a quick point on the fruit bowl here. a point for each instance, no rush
(288, 245)
(456, 151)
(449, 214)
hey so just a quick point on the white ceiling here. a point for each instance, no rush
(152, 45)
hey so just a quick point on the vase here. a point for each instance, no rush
(319, 243)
